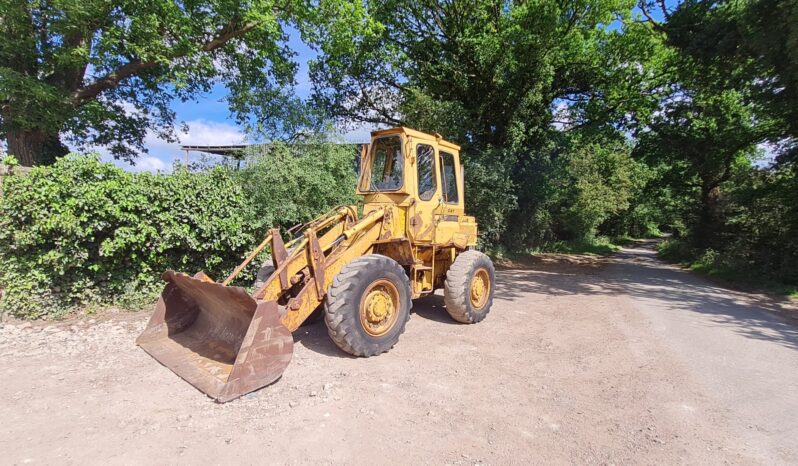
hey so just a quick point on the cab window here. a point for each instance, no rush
(385, 172)
(449, 178)
(425, 165)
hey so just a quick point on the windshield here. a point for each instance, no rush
(385, 167)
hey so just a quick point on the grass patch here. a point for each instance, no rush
(719, 266)
(600, 246)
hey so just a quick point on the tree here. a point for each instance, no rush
(746, 46)
(501, 78)
(104, 72)
(498, 65)
(703, 139)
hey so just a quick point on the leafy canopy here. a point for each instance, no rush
(104, 72)
(504, 79)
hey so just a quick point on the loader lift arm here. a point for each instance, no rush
(228, 343)
(327, 244)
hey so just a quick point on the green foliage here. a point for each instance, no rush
(574, 189)
(489, 195)
(757, 237)
(291, 184)
(498, 68)
(600, 182)
(10, 161)
(600, 246)
(750, 47)
(726, 266)
(516, 86)
(106, 73)
(82, 232)
(676, 250)
(734, 88)
(760, 227)
(578, 119)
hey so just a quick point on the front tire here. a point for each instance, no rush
(368, 305)
(468, 290)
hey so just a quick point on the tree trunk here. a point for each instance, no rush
(34, 146)
(708, 217)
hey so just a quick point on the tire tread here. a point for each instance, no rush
(342, 303)
(456, 287)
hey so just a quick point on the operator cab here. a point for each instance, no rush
(412, 164)
(420, 175)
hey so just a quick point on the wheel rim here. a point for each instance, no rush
(379, 308)
(480, 289)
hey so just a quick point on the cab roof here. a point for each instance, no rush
(415, 134)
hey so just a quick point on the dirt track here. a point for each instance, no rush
(624, 360)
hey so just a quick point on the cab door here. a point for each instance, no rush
(424, 162)
(450, 212)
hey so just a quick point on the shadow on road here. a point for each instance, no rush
(639, 273)
(433, 308)
(636, 271)
(315, 338)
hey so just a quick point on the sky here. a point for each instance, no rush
(210, 123)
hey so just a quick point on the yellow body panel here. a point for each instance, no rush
(423, 221)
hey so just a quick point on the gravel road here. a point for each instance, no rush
(622, 360)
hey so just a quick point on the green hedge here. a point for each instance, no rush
(290, 184)
(82, 231)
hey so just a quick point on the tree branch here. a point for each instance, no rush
(231, 31)
(654, 23)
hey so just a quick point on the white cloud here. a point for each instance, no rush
(360, 134)
(150, 164)
(769, 153)
(561, 115)
(211, 133)
(163, 154)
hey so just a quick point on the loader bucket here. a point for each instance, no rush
(218, 338)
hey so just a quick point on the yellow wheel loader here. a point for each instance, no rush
(362, 272)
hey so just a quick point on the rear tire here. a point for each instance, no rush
(368, 305)
(468, 290)
(264, 273)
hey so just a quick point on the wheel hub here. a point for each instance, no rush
(379, 307)
(480, 288)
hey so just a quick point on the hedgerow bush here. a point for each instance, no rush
(85, 232)
(82, 232)
(294, 183)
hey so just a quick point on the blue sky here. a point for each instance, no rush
(210, 123)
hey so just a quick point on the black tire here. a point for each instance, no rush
(346, 295)
(457, 288)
